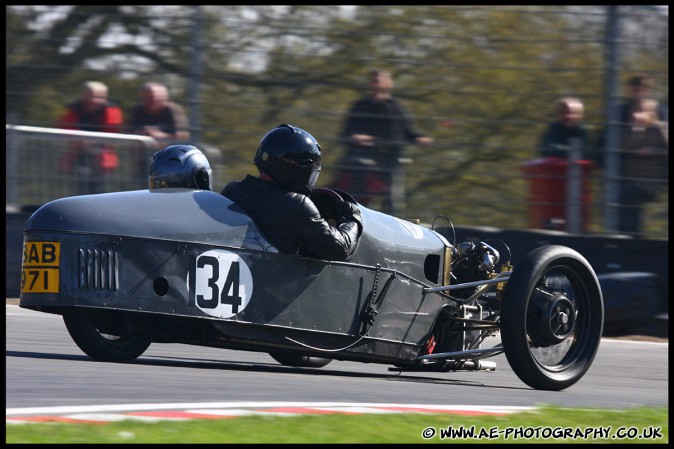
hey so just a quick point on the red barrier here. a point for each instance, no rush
(547, 197)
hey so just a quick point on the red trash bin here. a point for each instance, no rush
(547, 199)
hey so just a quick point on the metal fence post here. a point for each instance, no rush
(12, 169)
(574, 184)
(611, 143)
(196, 71)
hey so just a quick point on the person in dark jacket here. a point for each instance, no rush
(639, 88)
(289, 162)
(375, 132)
(644, 162)
(155, 115)
(567, 133)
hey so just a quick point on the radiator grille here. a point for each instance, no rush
(98, 269)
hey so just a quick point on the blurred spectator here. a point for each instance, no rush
(639, 88)
(89, 161)
(158, 117)
(567, 132)
(644, 154)
(375, 132)
(663, 110)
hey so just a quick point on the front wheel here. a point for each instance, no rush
(552, 318)
(89, 330)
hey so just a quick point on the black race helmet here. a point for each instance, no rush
(180, 166)
(291, 156)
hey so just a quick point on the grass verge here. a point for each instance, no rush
(545, 425)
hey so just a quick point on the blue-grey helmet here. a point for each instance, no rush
(180, 166)
(291, 156)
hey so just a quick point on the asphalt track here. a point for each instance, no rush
(49, 378)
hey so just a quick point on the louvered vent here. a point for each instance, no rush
(98, 269)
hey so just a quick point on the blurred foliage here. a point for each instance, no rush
(481, 80)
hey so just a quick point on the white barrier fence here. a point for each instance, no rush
(43, 164)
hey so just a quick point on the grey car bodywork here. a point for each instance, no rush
(189, 266)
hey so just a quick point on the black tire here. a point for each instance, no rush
(100, 346)
(552, 318)
(301, 361)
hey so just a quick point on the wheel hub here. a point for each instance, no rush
(550, 319)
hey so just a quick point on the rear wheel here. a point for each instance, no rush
(301, 361)
(86, 329)
(552, 318)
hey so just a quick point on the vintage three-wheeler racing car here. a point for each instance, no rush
(180, 265)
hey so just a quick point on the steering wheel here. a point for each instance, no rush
(328, 202)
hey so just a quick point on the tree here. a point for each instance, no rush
(51, 49)
(492, 72)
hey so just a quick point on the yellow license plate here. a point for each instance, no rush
(40, 267)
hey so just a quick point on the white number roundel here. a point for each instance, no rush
(223, 283)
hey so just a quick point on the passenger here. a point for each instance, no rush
(288, 160)
(180, 166)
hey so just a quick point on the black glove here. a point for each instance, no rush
(350, 212)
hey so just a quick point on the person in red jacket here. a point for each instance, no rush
(89, 161)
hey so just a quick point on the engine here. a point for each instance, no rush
(473, 261)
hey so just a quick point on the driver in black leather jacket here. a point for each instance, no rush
(289, 162)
